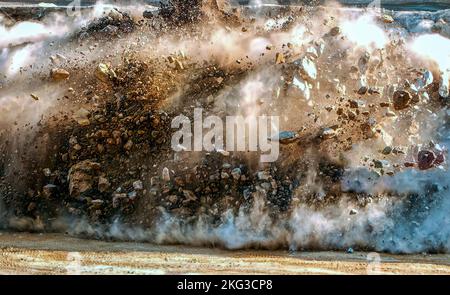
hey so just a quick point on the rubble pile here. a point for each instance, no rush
(102, 150)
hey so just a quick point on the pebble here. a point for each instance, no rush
(138, 185)
(59, 74)
(166, 174)
(236, 173)
(353, 212)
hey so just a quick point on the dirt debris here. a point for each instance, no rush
(108, 138)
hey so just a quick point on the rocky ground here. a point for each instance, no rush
(86, 142)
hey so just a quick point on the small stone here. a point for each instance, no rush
(226, 166)
(426, 80)
(138, 185)
(335, 31)
(285, 137)
(440, 158)
(236, 173)
(179, 65)
(81, 116)
(279, 58)
(444, 87)
(104, 73)
(426, 159)
(401, 99)
(190, 196)
(80, 177)
(374, 91)
(60, 56)
(362, 83)
(378, 164)
(328, 133)
(47, 172)
(128, 145)
(115, 15)
(263, 175)
(53, 59)
(390, 113)
(165, 174)
(355, 104)
(387, 150)
(173, 199)
(97, 203)
(59, 74)
(49, 190)
(386, 18)
(117, 197)
(398, 150)
(103, 184)
(266, 186)
(351, 115)
(307, 68)
(148, 14)
(363, 63)
(132, 195)
(363, 90)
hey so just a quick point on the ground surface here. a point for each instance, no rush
(59, 254)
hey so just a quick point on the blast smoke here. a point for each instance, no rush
(356, 31)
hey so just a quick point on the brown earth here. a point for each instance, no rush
(57, 254)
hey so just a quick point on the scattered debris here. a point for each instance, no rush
(103, 150)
